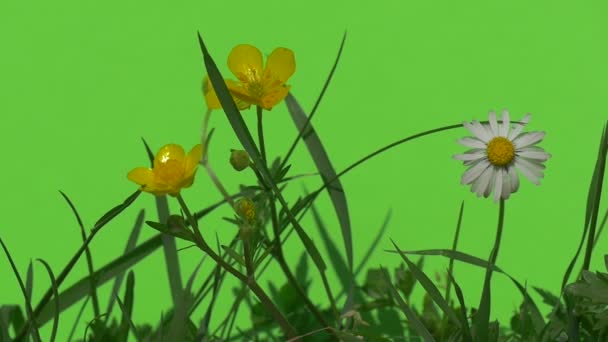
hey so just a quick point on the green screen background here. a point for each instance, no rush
(82, 81)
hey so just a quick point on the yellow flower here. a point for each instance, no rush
(173, 170)
(264, 87)
(211, 97)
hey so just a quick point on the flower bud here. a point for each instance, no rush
(239, 160)
(245, 208)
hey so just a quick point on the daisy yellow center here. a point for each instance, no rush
(500, 151)
(170, 171)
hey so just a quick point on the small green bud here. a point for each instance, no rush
(246, 231)
(239, 160)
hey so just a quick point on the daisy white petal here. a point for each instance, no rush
(506, 184)
(493, 124)
(514, 178)
(478, 131)
(471, 142)
(504, 128)
(529, 170)
(528, 139)
(517, 128)
(471, 174)
(498, 185)
(471, 155)
(537, 155)
(483, 181)
(491, 182)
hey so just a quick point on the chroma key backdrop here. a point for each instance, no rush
(303, 170)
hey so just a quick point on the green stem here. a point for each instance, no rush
(251, 283)
(261, 133)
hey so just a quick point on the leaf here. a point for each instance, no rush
(148, 152)
(463, 309)
(180, 232)
(327, 171)
(337, 261)
(412, 318)
(10, 315)
(127, 309)
(430, 288)
(178, 329)
(112, 213)
(548, 297)
(375, 284)
(302, 271)
(56, 294)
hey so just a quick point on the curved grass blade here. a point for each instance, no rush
(430, 288)
(537, 317)
(80, 289)
(87, 251)
(327, 172)
(77, 320)
(591, 207)
(301, 132)
(90, 323)
(466, 330)
(127, 309)
(29, 280)
(131, 243)
(454, 247)
(28, 303)
(56, 294)
(412, 318)
(242, 132)
(107, 217)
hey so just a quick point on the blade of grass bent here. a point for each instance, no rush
(463, 308)
(327, 172)
(454, 247)
(537, 317)
(56, 294)
(28, 303)
(29, 280)
(430, 288)
(412, 318)
(87, 251)
(244, 136)
(131, 243)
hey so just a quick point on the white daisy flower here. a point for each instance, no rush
(497, 151)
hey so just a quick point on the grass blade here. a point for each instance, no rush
(177, 329)
(170, 252)
(80, 289)
(87, 251)
(412, 318)
(77, 320)
(131, 243)
(28, 303)
(29, 280)
(430, 288)
(56, 294)
(327, 172)
(537, 317)
(127, 309)
(454, 247)
(242, 132)
(466, 330)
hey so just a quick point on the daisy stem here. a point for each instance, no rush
(250, 282)
(261, 134)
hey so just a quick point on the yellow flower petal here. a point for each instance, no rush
(281, 64)
(273, 96)
(241, 94)
(142, 176)
(169, 152)
(210, 96)
(245, 62)
(192, 160)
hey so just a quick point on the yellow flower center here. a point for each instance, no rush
(169, 171)
(500, 151)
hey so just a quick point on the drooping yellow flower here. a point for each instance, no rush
(213, 102)
(173, 170)
(258, 85)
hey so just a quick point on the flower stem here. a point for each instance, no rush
(250, 282)
(261, 134)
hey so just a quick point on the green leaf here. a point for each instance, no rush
(548, 297)
(302, 271)
(375, 284)
(430, 288)
(463, 309)
(127, 310)
(412, 318)
(10, 315)
(173, 230)
(148, 152)
(56, 295)
(169, 246)
(337, 261)
(112, 213)
(178, 329)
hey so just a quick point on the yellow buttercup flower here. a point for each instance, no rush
(261, 86)
(173, 170)
(211, 97)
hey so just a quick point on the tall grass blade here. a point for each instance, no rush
(127, 324)
(466, 330)
(412, 318)
(56, 294)
(87, 251)
(430, 288)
